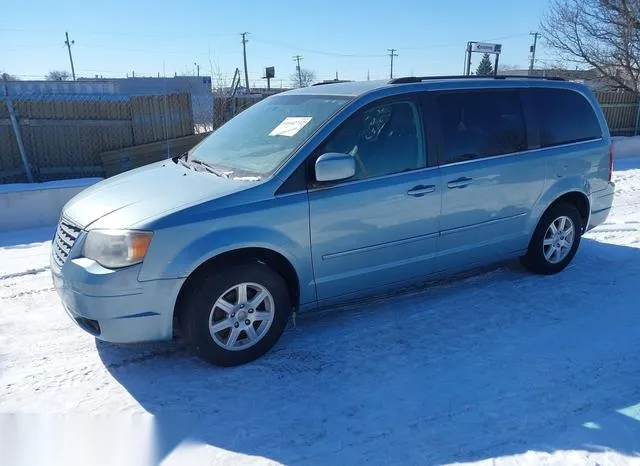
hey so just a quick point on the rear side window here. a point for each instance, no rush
(481, 124)
(564, 117)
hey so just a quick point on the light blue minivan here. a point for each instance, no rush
(333, 193)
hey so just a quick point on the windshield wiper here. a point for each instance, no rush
(182, 159)
(210, 168)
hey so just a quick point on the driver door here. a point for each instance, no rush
(378, 229)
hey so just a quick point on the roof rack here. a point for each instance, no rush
(419, 79)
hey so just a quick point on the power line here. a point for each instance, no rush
(244, 54)
(392, 53)
(116, 33)
(457, 44)
(318, 52)
(29, 46)
(69, 44)
(162, 52)
(354, 55)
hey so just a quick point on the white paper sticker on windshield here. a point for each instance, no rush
(290, 126)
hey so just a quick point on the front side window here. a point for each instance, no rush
(384, 139)
(564, 117)
(258, 140)
(481, 124)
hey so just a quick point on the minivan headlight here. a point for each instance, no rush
(116, 248)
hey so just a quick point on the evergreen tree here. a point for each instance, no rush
(485, 68)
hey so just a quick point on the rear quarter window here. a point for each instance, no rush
(564, 117)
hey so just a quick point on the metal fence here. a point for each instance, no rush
(56, 136)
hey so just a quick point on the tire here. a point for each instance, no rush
(535, 259)
(217, 298)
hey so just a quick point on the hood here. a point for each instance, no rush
(144, 193)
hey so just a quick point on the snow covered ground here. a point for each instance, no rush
(500, 367)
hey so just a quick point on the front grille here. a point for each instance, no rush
(66, 236)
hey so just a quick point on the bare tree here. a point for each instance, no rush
(506, 67)
(604, 34)
(306, 78)
(58, 75)
(8, 77)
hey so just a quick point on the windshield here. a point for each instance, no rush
(260, 138)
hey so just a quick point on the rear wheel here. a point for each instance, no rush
(555, 240)
(234, 317)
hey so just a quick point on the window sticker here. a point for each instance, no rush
(290, 126)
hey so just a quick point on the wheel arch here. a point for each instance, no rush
(273, 259)
(579, 200)
(572, 190)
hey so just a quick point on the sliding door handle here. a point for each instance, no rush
(421, 190)
(459, 183)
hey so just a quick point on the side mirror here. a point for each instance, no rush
(334, 166)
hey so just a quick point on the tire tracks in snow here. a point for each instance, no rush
(24, 273)
(22, 294)
(29, 279)
(147, 356)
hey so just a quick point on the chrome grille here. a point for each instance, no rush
(66, 236)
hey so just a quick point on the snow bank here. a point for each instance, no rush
(503, 368)
(34, 205)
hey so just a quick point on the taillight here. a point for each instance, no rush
(610, 161)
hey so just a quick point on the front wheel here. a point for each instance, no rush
(555, 240)
(234, 317)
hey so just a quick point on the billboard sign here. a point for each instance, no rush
(484, 47)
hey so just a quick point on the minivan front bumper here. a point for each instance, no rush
(113, 305)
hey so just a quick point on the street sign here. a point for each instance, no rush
(270, 72)
(484, 47)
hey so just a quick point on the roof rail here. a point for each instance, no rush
(419, 79)
(332, 81)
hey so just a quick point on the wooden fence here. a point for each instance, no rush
(64, 135)
(621, 111)
(128, 158)
(226, 107)
(75, 136)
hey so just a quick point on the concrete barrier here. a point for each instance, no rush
(626, 147)
(33, 205)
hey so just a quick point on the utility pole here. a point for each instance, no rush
(198, 69)
(392, 53)
(244, 53)
(368, 77)
(297, 58)
(533, 51)
(69, 44)
(17, 132)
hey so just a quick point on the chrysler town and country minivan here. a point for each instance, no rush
(333, 193)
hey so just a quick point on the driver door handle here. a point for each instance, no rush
(421, 190)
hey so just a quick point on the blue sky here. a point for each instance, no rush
(149, 37)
